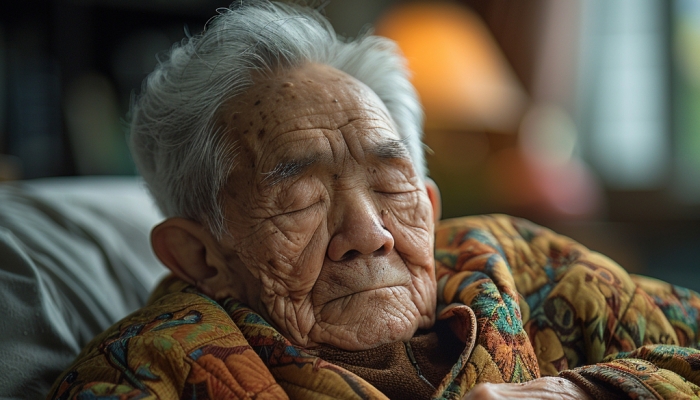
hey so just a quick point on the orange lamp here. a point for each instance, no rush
(463, 79)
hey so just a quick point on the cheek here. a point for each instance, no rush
(290, 247)
(293, 233)
(410, 222)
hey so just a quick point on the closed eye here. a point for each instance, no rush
(394, 192)
(292, 210)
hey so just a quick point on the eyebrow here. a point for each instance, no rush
(289, 169)
(391, 149)
(286, 170)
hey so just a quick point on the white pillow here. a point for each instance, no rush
(74, 258)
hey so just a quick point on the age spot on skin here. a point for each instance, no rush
(261, 133)
(256, 103)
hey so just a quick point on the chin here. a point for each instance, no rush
(370, 323)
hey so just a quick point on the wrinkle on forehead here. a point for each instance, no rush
(282, 110)
(336, 127)
(332, 119)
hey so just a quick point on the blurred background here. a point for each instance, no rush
(581, 115)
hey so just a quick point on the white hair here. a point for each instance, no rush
(176, 138)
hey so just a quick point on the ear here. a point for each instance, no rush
(434, 196)
(188, 249)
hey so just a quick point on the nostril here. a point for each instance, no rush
(349, 255)
(383, 250)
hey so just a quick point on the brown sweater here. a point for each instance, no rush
(402, 370)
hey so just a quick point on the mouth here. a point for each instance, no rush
(342, 281)
(382, 292)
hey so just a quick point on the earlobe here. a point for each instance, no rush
(434, 196)
(186, 248)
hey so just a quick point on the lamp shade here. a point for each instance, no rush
(463, 79)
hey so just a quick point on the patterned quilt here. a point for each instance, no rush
(526, 302)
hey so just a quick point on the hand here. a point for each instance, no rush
(549, 387)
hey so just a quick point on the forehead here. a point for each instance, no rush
(298, 105)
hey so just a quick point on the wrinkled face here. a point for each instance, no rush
(328, 219)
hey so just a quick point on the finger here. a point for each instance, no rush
(484, 391)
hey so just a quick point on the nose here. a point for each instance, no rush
(360, 232)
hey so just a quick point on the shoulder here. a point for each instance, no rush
(524, 246)
(176, 342)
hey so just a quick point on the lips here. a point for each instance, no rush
(338, 280)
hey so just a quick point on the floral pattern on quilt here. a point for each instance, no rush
(526, 301)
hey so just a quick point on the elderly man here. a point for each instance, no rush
(305, 258)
